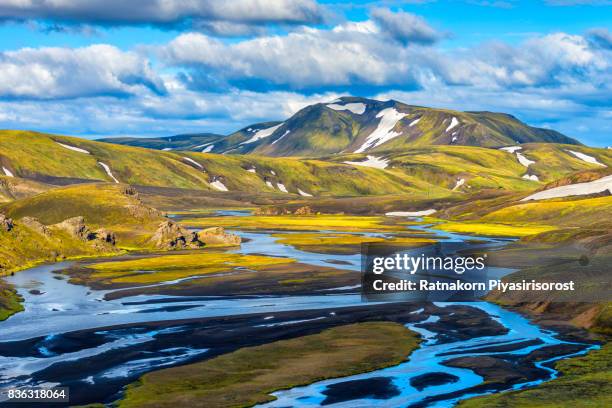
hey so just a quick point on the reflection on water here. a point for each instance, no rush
(54, 307)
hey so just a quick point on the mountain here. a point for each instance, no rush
(194, 142)
(357, 125)
(32, 162)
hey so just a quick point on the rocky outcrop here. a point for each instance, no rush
(35, 225)
(305, 210)
(170, 235)
(6, 224)
(218, 237)
(267, 211)
(105, 236)
(76, 228)
(137, 208)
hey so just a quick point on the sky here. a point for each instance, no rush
(98, 68)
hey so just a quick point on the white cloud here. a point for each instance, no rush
(164, 13)
(405, 27)
(49, 73)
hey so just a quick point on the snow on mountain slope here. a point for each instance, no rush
(384, 132)
(356, 108)
(74, 149)
(108, 171)
(586, 158)
(372, 161)
(591, 187)
(262, 134)
(454, 122)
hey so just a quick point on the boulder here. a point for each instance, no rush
(6, 224)
(170, 235)
(76, 227)
(218, 237)
(305, 210)
(105, 236)
(35, 225)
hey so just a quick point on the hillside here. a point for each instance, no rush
(357, 125)
(428, 171)
(365, 125)
(194, 142)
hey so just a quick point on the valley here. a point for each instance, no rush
(226, 269)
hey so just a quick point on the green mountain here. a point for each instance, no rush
(427, 171)
(195, 142)
(357, 125)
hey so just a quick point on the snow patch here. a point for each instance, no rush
(586, 158)
(511, 149)
(208, 148)
(166, 149)
(269, 184)
(414, 122)
(194, 162)
(252, 170)
(273, 172)
(372, 161)
(411, 213)
(74, 149)
(219, 185)
(458, 184)
(261, 134)
(383, 133)
(523, 160)
(303, 193)
(284, 134)
(531, 177)
(108, 171)
(7, 172)
(591, 187)
(282, 187)
(454, 122)
(356, 108)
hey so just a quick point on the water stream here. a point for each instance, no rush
(54, 307)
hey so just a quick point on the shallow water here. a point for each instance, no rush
(428, 358)
(62, 307)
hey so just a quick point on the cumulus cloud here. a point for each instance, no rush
(52, 73)
(600, 37)
(180, 111)
(357, 54)
(405, 27)
(163, 13)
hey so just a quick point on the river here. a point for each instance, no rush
(66, 326)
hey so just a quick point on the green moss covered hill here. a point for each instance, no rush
(431, 171)
(345, 125)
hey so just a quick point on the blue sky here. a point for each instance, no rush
(147, 68)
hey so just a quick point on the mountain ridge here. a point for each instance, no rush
(357, 125)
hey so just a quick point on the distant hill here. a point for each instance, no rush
(192, 142)
(358, 125)
(30, 162)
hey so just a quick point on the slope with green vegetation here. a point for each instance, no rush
(584, 382)
(246, 377)
(195, 142)
(345, 124)
(35, 228)
(113, 206)
(428, 172)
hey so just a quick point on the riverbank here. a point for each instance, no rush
(248, 376)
